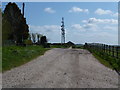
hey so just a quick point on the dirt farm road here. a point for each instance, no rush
(61, 68)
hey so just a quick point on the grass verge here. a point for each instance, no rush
(0, 59)
(13, 56)
(107, 60)
(102, 61)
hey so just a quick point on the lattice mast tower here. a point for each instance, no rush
(62, 32)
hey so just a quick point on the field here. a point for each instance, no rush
(13, 56)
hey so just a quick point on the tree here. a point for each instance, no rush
(43, 40)
(6, 30)
(38, 37)
(13, 15)
(29, 37)
(0, 27)
(34, 37)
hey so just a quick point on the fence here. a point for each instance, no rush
(107, 52)
(113, 51)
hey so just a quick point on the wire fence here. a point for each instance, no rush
(111, 53)
(110, 50)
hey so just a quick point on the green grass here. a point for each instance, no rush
(107, 60)
(0, 59)
(13, 56)
(102, 61)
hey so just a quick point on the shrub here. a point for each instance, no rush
(28, 42)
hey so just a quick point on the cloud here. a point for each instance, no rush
(44, 28)
(77, 9)
(115, 14)
(102, 37)
(91, 33)
(77, 26)
(94, 25)
(102, 24)
(85, 27)
(100, 11)
(49, 10)
(101, 21)
(111, 28)
(92, 30)
(51, 31)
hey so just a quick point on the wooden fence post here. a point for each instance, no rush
(104, 48)
(109, 50)
(113, 51)
(117, 52)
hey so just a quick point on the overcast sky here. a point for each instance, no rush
(84, 21)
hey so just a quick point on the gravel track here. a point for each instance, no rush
(61, 68)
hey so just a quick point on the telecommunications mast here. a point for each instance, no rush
(62, 32)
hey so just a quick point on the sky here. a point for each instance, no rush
(92, 22)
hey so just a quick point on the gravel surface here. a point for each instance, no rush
(61, 68)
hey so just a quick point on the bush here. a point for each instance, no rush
(46, 45)
(28, 42)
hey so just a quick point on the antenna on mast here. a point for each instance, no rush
(62, 32)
